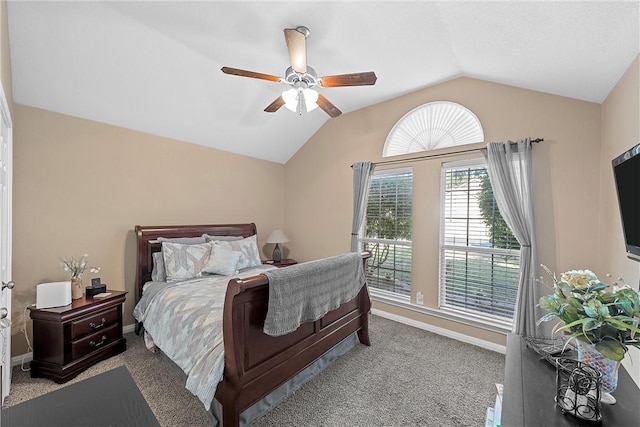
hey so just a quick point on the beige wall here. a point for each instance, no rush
(82, 186)
(5, 58)
(620, 131)
(318, 180)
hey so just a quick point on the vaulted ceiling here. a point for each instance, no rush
(154, 66)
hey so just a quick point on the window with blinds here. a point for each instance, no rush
(386, 231)
(479, 256)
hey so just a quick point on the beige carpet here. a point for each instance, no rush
(408, 377)
(162, 387)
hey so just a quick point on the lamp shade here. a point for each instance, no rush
(277, 236)
(294, 99)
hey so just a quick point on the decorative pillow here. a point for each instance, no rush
(249, 249)
(158, 274)
(184, 240)
(183, 262)
(211, 238)
(222, 261)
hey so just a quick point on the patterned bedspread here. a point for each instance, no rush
(184, 320)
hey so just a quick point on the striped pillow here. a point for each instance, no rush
(184, 262)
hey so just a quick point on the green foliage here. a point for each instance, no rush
(389, 213)
(594, 312)
(389, 208)
(483, 284)
(499, 231)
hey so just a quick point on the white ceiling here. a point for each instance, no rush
(154, 66)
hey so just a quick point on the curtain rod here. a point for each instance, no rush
(429, 156)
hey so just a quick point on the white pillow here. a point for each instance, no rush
(184, 262)
(222, 261)
(248, 247)
(158, 274)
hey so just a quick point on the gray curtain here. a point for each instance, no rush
(361, 177)
(510, 172)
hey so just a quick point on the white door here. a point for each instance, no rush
(6, 178)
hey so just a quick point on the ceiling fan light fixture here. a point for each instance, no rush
(290, 99)
(300, 100)
(310, 99)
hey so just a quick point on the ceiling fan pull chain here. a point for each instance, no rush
(300, 102)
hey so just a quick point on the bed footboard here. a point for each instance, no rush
(256, 363)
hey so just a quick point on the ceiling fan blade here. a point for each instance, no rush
(275, 105)
(327, 106)
(297, 46)
(252, 74)
(354, 79)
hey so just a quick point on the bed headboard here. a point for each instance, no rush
(147, 240)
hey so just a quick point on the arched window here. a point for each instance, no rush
(433, 125)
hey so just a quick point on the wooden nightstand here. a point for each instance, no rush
(67, 340)
(283, 262)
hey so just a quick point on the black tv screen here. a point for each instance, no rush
(626, 173)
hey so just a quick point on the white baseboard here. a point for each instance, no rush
(28, 357)
(18, 360)
(441, 331)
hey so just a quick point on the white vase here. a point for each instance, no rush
(588, 354)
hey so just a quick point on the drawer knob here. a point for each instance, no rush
(98, 344)
(98, 325)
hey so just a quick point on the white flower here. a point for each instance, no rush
(77, 265)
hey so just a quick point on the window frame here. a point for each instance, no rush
(497, 321)
(362, 239)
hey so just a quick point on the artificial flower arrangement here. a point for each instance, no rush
(606, 316)
(77, 265)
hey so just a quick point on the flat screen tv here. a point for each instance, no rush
(626, 174)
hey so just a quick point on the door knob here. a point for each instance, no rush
(9, 285)
(3, 312)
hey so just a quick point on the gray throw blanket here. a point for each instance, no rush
(305, 292)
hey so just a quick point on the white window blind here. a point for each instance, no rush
(479, 256)
(386, 231)
(431, 126)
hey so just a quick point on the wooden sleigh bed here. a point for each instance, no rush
(256, 364)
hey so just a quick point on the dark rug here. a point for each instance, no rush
(108, 399)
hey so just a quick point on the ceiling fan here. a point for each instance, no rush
(301, 97)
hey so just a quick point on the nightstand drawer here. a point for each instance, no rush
(67, 340)
(95, 341)
(95, 322)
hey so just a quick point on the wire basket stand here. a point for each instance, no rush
(578, 389)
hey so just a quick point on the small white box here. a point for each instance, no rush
(55, 294)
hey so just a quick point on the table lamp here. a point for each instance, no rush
(277, 236)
